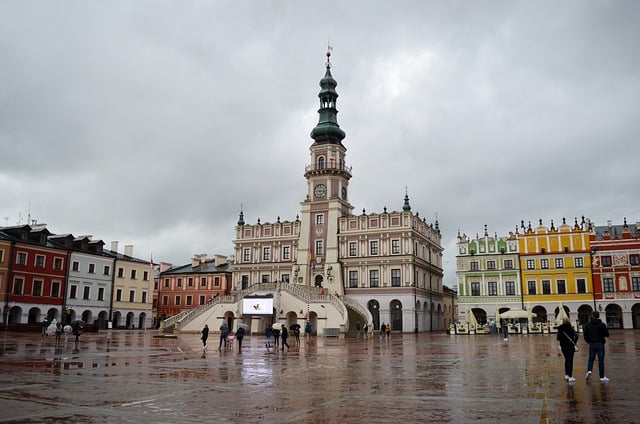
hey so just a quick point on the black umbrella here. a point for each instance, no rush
(294, 327)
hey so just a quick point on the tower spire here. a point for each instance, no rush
(406, 207)
(328, 130)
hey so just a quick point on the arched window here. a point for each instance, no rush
(396, 315)
(321, 162)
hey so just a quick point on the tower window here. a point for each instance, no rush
(321, 162)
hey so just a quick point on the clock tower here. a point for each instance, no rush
(327, 195)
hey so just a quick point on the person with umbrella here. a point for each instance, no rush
(295, 328)
(77, 330)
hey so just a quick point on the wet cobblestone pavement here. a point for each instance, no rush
(134, 377)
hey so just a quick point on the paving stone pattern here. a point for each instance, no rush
(138, 377)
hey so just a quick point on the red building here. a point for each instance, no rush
(36, 275)
(183, 288)
(615, 251)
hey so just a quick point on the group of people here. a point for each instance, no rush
(56, 328)
(385, 330)
(595, 334)
(227, 337)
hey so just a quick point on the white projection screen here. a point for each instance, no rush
(257, 305)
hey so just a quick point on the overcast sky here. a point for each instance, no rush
(151, 122)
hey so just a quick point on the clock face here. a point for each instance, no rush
(320, 190)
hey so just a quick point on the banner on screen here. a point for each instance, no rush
(257, 305)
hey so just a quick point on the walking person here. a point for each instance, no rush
(357, 331)
(595, 333)
(58, 332)
(285, 335)
(77, 330)
(239, 337)
(307, 331)
(505, 331)
(387, 330)
(45, 324)
(383, 329)
(567, 338)
(296, 333)
(205, 336)
(268, 333)
(224, 332)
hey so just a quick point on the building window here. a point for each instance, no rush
(18, 283)
(92, 268)
(531, 285)
(100, 293)
(190, 282)
(395, 247)
(286, 253)
(189, 300)
(635, 284)
(606, 260)
(474, 266)
(508, 264)
(165, 300)
(492, 287)
(132, 296)
(607, 285)
(106, 270)
(166, 283)
(319, 219)
(475, 289)
(177, 302)
(86, 292)
(246, 254)
(559, 263)
(561, 286)
(133, 274)
(546, 287)
(55, 289)
(285, 278)
(119, 295)
(395, 278)
(21, 259)
(73, 290)
(373, 247)
(374, 278)
(37, 288)
(266, 254)
(634, 259)
(203, 281)
(202, 300)
(144, 297)
(244, 281)
(57, 263)
(510, 288)
(120, 272)
(531, 264)
(491, 264)
(353, 279)
(39, 261)
(579, 262)
(544, 263)
(1, 255)
(75, 266)
(353, 250)
(582, 285)
(265, 278)
(145, 276)
(319, 247)
(179, 282)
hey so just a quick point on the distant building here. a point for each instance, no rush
(330, 266)
(181, 288)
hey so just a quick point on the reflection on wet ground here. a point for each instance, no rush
(134, 376)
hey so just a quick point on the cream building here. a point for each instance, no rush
(330, 266)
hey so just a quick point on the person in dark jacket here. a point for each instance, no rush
(567, 338)
(205, 335)
(595, 333)
(239, 337)
(284, 334)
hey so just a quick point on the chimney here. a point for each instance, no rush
(195, 261)
(114, 246)
(128, 250)
(219, 260)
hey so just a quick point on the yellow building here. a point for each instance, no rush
(555, 264)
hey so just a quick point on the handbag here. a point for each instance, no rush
(575, 346)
